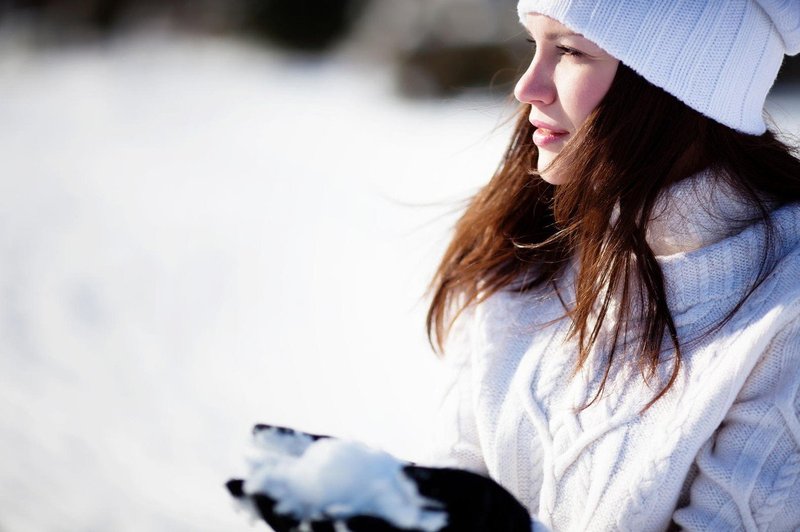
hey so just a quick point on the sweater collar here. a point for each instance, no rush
(703, 284)
(709, 248)
(697, 212)
(712, 245)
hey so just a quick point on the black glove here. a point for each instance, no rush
(470, 502)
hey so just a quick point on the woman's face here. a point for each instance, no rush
(567, 78)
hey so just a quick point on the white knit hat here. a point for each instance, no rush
(719, 57)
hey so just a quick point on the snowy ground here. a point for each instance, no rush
(196, 235)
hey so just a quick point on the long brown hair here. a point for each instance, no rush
(519, 232)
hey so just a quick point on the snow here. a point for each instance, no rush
(197, 235)
(280, 441)
(332, 478)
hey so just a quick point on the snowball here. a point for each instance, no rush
(338, 479)
(280, 440)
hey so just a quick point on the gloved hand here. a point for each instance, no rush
(447, 499)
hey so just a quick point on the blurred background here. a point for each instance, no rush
(221, 212)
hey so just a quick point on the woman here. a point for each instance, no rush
(635, 313)
(620, 305)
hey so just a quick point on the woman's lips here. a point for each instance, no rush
(543, 136)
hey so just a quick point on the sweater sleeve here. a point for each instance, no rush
(455, 442)
(747, 476)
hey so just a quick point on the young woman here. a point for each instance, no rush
(620, 305)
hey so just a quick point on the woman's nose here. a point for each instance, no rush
(535, 85)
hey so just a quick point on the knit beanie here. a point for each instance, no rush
(719, 57)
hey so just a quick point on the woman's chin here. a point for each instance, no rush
(546, 171)
(551, 176)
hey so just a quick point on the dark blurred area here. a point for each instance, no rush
(438, 47)
(300, 24)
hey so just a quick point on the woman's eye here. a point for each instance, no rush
(533, 43)
(565, 50)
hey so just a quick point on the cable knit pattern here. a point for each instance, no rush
(720, 451)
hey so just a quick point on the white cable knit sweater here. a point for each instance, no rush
(720, 451)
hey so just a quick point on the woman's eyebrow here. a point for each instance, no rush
(559, 34)
(554, 35)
